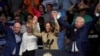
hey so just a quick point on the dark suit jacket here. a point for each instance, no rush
(10, 41)
(81, 35)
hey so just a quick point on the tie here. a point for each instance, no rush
(47, 35)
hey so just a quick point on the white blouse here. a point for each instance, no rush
(29, 42)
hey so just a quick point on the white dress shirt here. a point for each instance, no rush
(74, 47)
(29, 42)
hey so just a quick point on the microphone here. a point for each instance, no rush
(47, 43)
(51, 41)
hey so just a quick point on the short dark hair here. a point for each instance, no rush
(49, 5)
(18, 22)
(28, 15)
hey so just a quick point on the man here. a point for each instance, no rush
(47, 17)
(17, 18)
(13, 39)
(79, 35)
(18, 36)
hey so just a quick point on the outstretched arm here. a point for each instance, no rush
(38, 34)
(64, 23)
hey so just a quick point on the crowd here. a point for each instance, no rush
(71, 26)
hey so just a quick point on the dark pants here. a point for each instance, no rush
(29, 53)
(76, 54)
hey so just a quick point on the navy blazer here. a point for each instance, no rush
(81, 36)
(10, 41)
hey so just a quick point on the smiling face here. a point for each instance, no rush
(29, 27)
(41, 8)
(17, 28)
(79, 22)
(49, 7)
(48, 27)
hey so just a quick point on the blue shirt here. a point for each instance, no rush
(18, 40)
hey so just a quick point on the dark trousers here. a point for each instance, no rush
(29, 53)
(76, 54)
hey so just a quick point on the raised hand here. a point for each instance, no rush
(35, 19)
(54, 14)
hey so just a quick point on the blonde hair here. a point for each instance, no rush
(29, 24)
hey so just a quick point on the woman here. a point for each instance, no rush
(29, 42)
(41, 8)
(35, 21)
(49, 36)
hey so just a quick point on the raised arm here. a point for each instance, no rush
(35, 26)
(56, 24)
(64, 23)
(36, 33)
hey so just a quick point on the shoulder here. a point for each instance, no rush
(10, 30)
(43, 32)
(24, 34)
